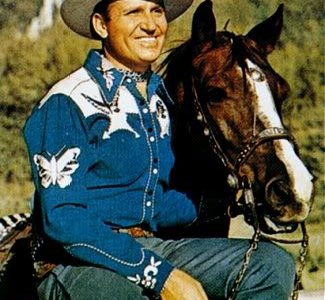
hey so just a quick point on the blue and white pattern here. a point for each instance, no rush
(117, 110)
(58, 169)
(149, 275)
(109, 77)
(158, 107)
(102, 157)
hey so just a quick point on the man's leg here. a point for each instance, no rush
(216, 263)
(86, 283)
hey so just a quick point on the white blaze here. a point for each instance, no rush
(299, 176)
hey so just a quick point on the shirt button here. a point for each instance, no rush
(145, 110)
(128, 80)
(152, 139)
(148, 203)
(155, 171)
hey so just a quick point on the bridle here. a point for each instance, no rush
(242, 186)
(247, 149)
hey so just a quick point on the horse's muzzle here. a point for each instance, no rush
(282, 205)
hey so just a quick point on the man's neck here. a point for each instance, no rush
(142, 87)
(124, 66)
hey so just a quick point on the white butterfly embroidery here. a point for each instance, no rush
(58, 169)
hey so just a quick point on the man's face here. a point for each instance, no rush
(136, 31)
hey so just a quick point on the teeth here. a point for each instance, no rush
(271, 224)
(277, 228)
(148, 39)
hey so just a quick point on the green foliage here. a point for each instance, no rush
(17, 13)
(31, 68)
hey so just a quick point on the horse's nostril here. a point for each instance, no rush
(282, 206)
(278, 193)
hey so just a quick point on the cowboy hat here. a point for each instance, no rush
(76, 13)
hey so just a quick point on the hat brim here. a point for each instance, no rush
(76, 13)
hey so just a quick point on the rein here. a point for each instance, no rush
(242, 184)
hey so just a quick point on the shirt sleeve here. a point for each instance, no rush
(182, 213)
(59, 153)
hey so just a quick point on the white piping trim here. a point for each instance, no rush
(99, 251)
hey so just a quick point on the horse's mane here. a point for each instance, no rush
(177, 66)
(179, 58)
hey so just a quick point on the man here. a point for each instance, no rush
(99, 145)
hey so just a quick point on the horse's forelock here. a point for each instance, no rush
(245, 48)
(181, 57)
(230, 49)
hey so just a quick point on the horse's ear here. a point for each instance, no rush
(204, 23)
(267, 33)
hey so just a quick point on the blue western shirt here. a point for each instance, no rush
(101, 159)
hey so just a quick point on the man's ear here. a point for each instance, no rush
(99, 25)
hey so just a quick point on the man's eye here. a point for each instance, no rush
(133, 12)
(256, 75)
(158, 10)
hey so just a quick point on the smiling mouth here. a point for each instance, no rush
(148, 40)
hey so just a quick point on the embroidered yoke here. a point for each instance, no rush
(101, 159)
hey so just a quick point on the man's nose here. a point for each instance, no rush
(148, 23)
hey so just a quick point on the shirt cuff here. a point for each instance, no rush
(154, 275)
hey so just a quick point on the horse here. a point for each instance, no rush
(231, 148)
(230, 144)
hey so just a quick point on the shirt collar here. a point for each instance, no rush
(110, 79)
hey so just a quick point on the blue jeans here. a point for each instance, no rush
(214, 262)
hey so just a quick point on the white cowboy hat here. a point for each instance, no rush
(76, 13)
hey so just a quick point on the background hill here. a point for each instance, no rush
(32, 58)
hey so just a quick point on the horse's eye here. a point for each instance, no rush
(256, 75)
(216, 94)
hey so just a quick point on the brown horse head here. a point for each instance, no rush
(241, 96)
